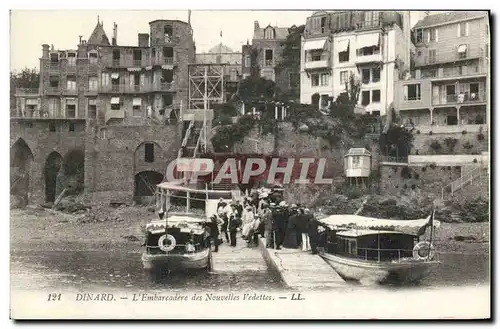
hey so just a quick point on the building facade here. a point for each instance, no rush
(110, 83)
(370, 45)
(449, 85)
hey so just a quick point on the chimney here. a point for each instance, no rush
(255, 25)
(115, 35)
(143, 40)
(45, 51)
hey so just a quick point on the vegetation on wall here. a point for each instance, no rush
(450, 143)
(26, 78)
(435, 146)
(289, 62)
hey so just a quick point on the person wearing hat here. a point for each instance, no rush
(303, 228)
(290, 238)
(279, 224)
(239, 208)
(223, 215)
(313, 234)
(234, 223)
(267, 220)
(213, 227)
(247, 220)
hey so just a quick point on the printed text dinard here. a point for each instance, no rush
(177, 297)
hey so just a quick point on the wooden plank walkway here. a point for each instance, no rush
(301, 270)
(238, 259)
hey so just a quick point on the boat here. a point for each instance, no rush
(372, 250)
(178, 240)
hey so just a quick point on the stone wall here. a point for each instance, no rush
(423, 140)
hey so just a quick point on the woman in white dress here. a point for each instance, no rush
(248, 221)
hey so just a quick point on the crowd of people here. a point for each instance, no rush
(264, 215)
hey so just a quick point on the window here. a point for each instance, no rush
(376, 74)
(365, 76)
(115, 107)
(53, 81)
(371, 18)
(137, 55)
(419, 36)
(54, 107)
(93, 83)
(72, 59)
(269, 33)
(294, 80)
(233, 75)
(367, 51)
(419, 53)
(149, 152)
(314, 80)
(432, 55)
(71, 126)
(433, 34)
(105, 79)
(168, 52)
(168, 30)
(92, 109)
(269, 54)
(365, 98)
(376, 96)
(218, 59)
(116, 54)
(316, 55)
(322, 24)
(344, 56)
(324, 79)
(70, 110)
(344, 76)
(54, 57)
(52, 127)
(356, 161)
(462, 51)
(412, 92)
(136, 107)
(463, 29)
(248, 61)
(71, 83)
(93, 58)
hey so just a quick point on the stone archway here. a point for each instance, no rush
(144, 185)
(21, 159)
(73, 174)
(53, 169)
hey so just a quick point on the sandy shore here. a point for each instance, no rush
(38, 228)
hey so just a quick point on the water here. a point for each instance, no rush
(122, 269)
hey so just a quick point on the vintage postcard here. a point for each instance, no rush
(250, 164)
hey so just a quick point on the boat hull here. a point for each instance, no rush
(367, 271)
(173, 262)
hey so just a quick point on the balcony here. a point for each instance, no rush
(464, 98)
(27, 91)
(112, 88)
(367, 59)
(162, 61)
(165, 86)
(50, 90)
(91, 91)
(70, 91)
(317, 64)
(54, 67)
(71, 68)
(268, 63)
(114, 114)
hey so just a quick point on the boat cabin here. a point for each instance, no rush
(375, 245)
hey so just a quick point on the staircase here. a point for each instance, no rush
(470, 175)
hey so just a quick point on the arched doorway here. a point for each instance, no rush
(73, 173)
(53, 169)
(145, 184)
(21, 159)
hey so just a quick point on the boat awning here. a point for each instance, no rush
(462, 49)
(137, 102)
(342, 46)
(115, 100)
(349, 222)
(314, 45)
(367, 40)
(357, 233)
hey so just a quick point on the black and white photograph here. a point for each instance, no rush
(250, 164)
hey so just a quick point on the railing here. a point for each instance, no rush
(137, 62)
(91, 91)
(112, 88)
(385, 158)
(385, 255)
(54, 67)
(464, 98)
(52, 90)
(268, 62)
(179, 249)
(162, 61)
(70, 91)
(164, 86)
(71, 68)
(466, 178)
(27, 91)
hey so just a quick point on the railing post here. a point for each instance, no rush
(399, 255)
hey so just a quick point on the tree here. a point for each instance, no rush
(26, 78)
(289, 62)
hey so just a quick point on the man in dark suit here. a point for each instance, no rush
(213, 226)
(313, 235)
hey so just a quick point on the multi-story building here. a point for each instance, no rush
(110, 83)
(267, 42)
(371, 45)
(449, 84)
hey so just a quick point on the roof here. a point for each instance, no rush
(168, 21)
(98, 36)
(280, 32)
(357, 151)
(358, 233)
(220, 48)
(448, 17)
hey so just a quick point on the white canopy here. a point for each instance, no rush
(115, 100)
(137, 101)
(314, 44)
(115, 75)
(342, 45)
(370, 223)
(462, 48)
(367, 40)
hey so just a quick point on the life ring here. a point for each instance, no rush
(423, 250)
(168, 247)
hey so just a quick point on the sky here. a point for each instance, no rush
(29, 29)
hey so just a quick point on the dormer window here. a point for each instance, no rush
(269, 33)
(54, 57)
(168, 31)
(71, 58)
(93, 57)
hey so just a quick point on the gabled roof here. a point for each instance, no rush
(280, 33)
(99, 37)
(451, 16)
(358, 151)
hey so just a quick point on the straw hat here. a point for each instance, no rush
(282, 204)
